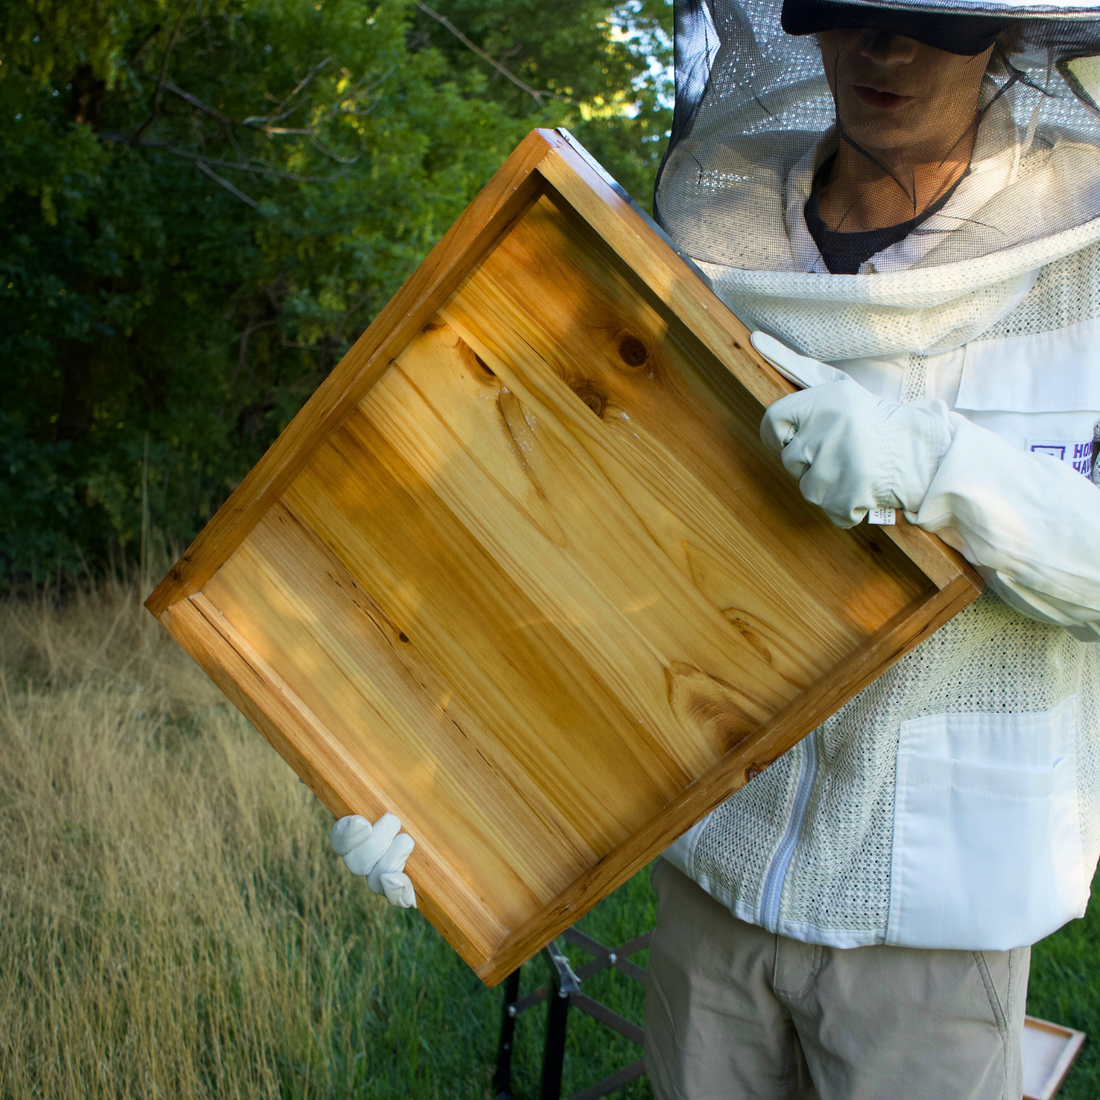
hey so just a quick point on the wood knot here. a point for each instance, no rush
(479, 370)
(592, 397)
(633, 352)
(748, 634)
(753, 770)
(708, 705)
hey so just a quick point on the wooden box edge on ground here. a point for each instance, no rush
(1049, 1052)
(546, 163)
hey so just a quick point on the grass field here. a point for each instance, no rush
(173, 923)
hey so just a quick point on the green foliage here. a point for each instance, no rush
(206, 203)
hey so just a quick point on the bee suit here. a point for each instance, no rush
(868, 902)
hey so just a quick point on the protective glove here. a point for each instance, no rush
(850, 450)
(379, 852)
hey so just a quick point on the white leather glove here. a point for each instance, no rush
(850, 450)
(379, 852)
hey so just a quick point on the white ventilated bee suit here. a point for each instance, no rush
(954, 805)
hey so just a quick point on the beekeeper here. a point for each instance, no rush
(904, 204)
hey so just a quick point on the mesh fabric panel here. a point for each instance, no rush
(988, 659)
(1066, 293)
(742, 834)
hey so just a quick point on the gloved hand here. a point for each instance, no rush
(850, 450)
(379, 852)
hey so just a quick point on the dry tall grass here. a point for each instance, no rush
(172, 923)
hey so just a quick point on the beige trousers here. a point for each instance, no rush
(736, 1013)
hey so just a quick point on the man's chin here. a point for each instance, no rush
(883, 134)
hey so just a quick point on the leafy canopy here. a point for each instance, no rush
(205, 203)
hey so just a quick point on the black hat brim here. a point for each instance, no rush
(967, 35)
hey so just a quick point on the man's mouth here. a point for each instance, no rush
(884, 101)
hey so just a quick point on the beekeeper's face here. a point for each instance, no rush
(895, 93)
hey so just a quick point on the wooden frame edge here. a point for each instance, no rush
(1074, 1041)
(630, 234)
(738, 766)
(242, 683)
(193, 623)
(501, 201)
(940, 563)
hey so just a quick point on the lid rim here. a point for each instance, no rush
(978, 8)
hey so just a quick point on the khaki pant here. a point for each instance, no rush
(737, 1013)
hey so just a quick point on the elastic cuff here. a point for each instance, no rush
(918, 447)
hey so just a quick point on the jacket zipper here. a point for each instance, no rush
(777, 871)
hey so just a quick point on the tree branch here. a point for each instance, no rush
(135, 57)
(155, 109)
(202, 166)
(313, 140)
(196, 102)
(504, 71)
(282, 110)
(263, 123)
(257, 169)
(225, 120)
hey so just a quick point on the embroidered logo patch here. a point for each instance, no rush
(1077, 454)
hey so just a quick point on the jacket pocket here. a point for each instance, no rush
(987, 850)
(1041, 393)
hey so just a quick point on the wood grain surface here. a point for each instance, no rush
(525, 576)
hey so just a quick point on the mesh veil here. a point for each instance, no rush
(755, 125)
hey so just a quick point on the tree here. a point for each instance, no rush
(206, 203)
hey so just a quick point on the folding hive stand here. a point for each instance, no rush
(561, 993)
(521, 572)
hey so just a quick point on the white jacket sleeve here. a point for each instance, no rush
(1030, 524)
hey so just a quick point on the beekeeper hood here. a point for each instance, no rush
(966, 136)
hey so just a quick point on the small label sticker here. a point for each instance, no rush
(884, 517)
(1073, 452)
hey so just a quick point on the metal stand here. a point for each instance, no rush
(561, 992)
(502, 1079)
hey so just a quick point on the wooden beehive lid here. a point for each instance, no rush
(1049, 1051)
(521, 572)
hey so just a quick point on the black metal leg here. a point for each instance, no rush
(553, 1057)
(562, 991)
(502, 1079)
